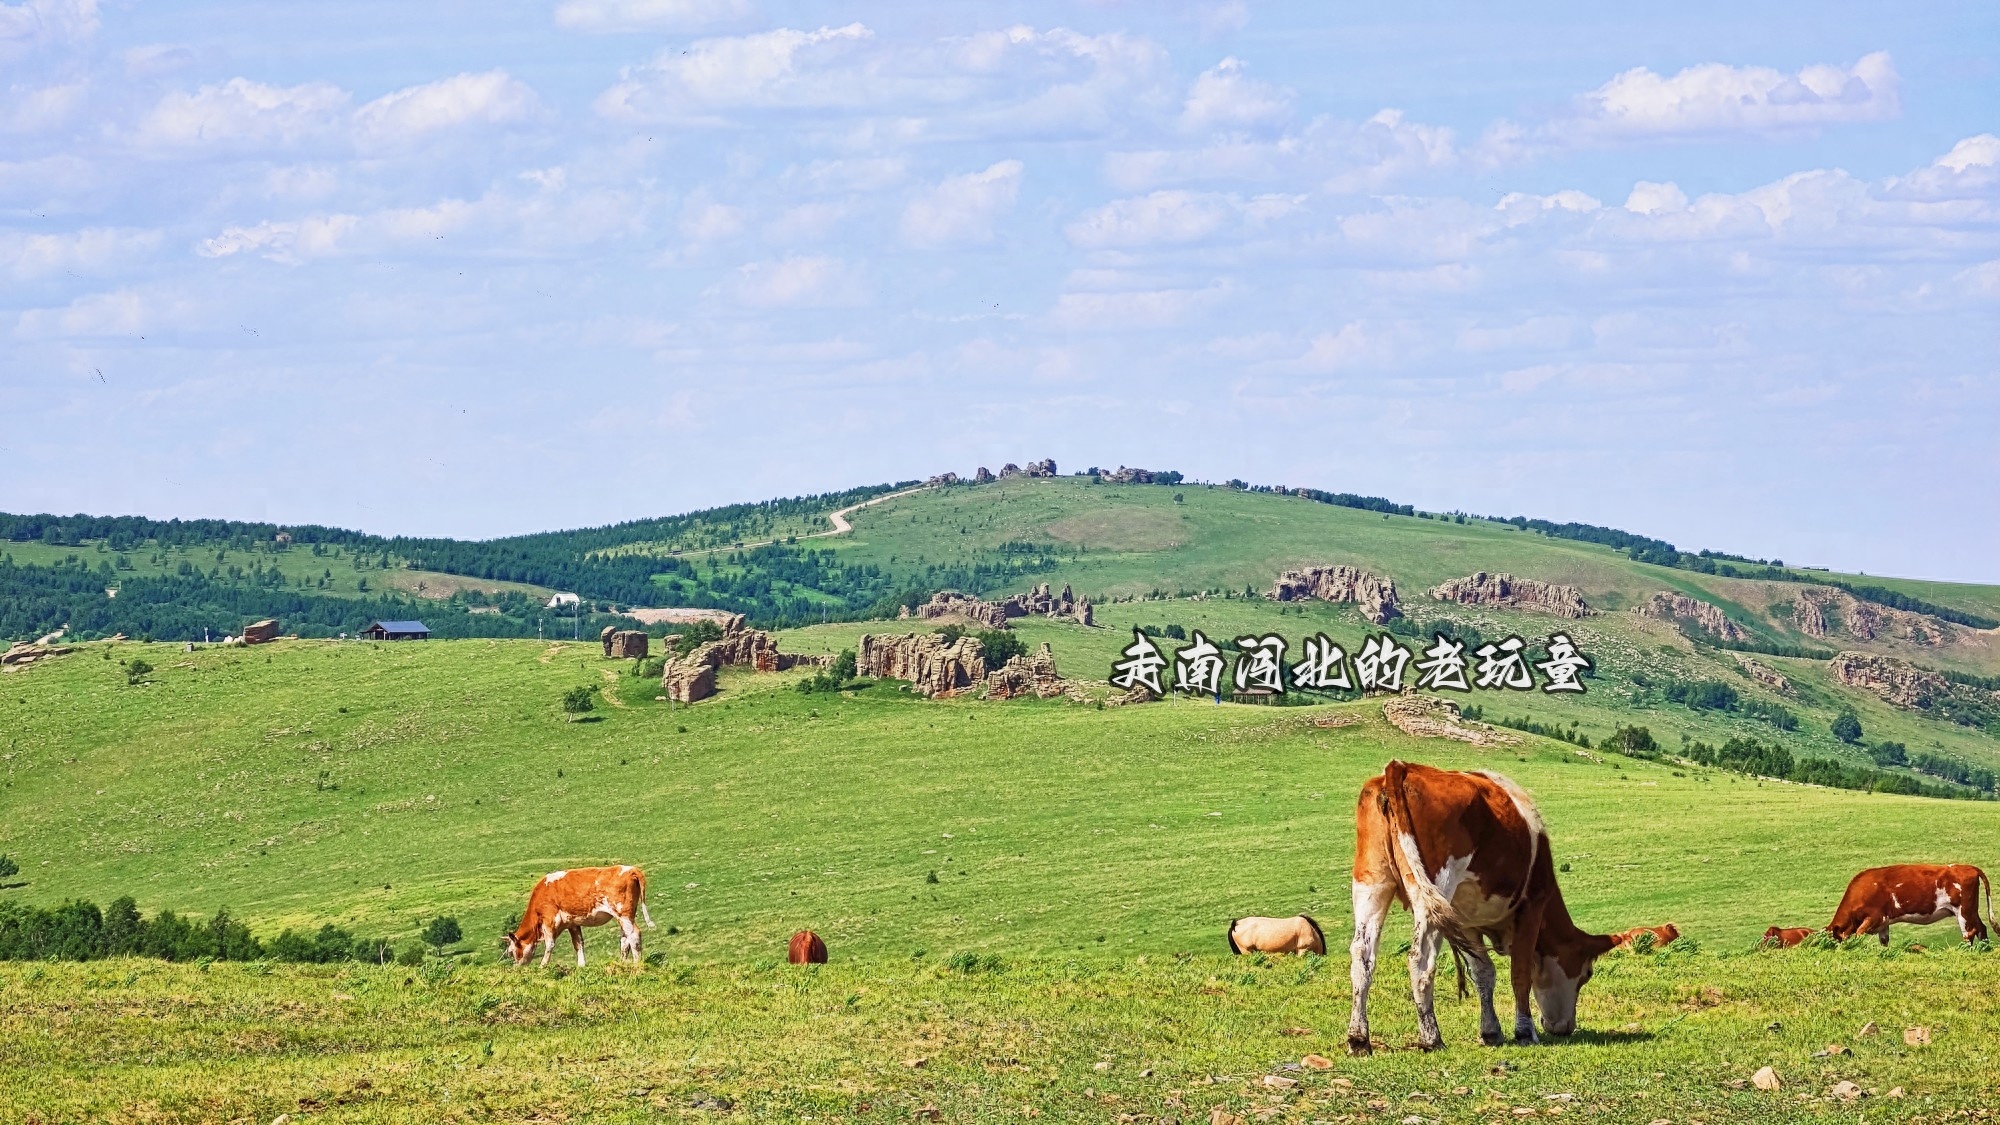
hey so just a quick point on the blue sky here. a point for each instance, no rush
(1726, 274)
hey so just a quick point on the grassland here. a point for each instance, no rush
(1087, 858)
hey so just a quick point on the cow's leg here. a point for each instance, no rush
(630, 945)
(1423, 981)
(1483, 977)
(1521, 972)
(1371, 909)
(576, 939)
(548, 945)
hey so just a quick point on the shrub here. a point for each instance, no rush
(137, 670)
(8, 866)
(1635, 741)
(577, 700)
(1847, 727)
(999, 646)
(441, 932)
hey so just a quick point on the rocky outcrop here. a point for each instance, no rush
(1027, 675)
(1375, 594)
(1508, 592)
(983, 476)
(1819, 611)
(932, 664)
(1125, 475)
(624, 644)
(22, 654)
(941, 480)
(1710, 619)
(260, 632)
(1427, 716)
(1895, 681)
(691, 678)
(1045, 468)
(1765, 674)
(949, 605)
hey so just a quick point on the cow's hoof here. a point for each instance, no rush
(1527, 1040)
(1359, 1046)
(1492, 1038)
(1430, 1045)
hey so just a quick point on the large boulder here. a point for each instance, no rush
(933, 665)
(1710, 619)
(690, 678)
(260, 632)
(952, 605)
(624, 644)
(1375, 594)
(1027, 675)
(1508, 592)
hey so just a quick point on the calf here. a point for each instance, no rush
(1917, 893)
(806, 949)
(1297, 934)
(585, 896)
(1785, 937)
(1663, 936)
(1467, 853)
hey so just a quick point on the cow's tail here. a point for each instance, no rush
(1426, 901)
(1229, 935)
(1992, 923)
(1317, 932)
(643, 912)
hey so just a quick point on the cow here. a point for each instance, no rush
(1297, 934)
(1468, 855)
(1785, 937)
(1662, 936)
(806, 948)
(1917, 893)
(583, 896)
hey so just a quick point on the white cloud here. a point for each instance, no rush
(287, 242)
(1117, 312)
(42, 23)
(703, 220)
(808, 222)
(1347, 157)
(1168, 217)
(1716, 99)
(1656, 199)
(798, 282)
(781, 68)
(963, 208)
(1222, 98)
(94, 249)
(1971, 169)
(492, 98)
(240, 110)
(609, 16)
(119, 313)
(33, 110)
(1356, 344)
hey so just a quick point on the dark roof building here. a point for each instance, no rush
(397, 631)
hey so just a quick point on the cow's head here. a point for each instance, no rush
(519, 947)
(1561, 974)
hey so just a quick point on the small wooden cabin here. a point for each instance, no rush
(397, 631)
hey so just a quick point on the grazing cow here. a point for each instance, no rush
(1662, 935)
(1785, 937)
(1917, 893)
(806, 949)
(583, 896)
(1297, 934)
(1467, 854)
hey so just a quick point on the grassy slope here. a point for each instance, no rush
(1049, 825)
(296, 563)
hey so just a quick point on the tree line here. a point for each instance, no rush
(79, 931)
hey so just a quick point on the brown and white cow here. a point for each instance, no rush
(1663, 936)
(1297, 934)
(1467, 854)
(1785, 937)
(583, 896)
(1917, 893)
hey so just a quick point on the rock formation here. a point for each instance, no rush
(1895, 681)
(1045, 468)
(689, 678)
(1507, 591)
(1708, 618)
(941, 479)
(21, 654)
(1027, 675)
(1765, 674)
(1375, 594)
(1038, 602)
(1427, 716)
(624, 644)
(1819, 610)
(1125, 475)
(982, 476)
(933, 665)
(260, 632)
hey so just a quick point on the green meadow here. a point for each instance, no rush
(1013, 892)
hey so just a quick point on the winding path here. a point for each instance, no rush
(840, 524)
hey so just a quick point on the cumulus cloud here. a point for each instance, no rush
(1223, 98)
(609, 16)
(92, 250)
(1121, 311)
(780, 68)
(35, 109)
(963, 208)
(242, 111)
(1715, 99)
(287, 242)
(492, 98)
(1171, 217)
(38, 24)
(797, 282)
